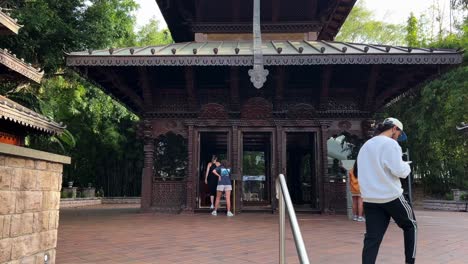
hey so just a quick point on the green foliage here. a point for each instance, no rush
(253, 163)
(438, 149)
(360, 26)
(53, 27)
(464, 197)
(171, 157)
(151, 35)
(448, 196)
(101, 133)
(412, 31)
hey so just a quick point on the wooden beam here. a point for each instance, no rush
(279, 93)
(236, 10)
(369, 102)
(198, 10)
(401, 82)
(275, 10)
(146, 87)
(312, 9)
(234, 87)
(325, 85)
(190, 87)
(116, 80)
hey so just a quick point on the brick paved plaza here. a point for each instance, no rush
(108, 234)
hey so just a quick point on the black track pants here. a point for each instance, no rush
(377, 220)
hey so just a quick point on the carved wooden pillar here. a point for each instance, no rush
(148, 169)
(279, 87)
(191, 188)
(235, 159)
(323, 180)
(280, 163)
(234, 88)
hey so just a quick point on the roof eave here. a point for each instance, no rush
(14, 112)
(12, 62)
(10, 26)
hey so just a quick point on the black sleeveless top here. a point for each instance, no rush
(211, 174)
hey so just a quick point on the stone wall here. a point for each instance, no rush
(121, 200)
(79, 202)
(29, 204)
(458, 206)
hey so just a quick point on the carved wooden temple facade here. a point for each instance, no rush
(199, 88)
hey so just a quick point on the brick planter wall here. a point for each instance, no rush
(30, 183)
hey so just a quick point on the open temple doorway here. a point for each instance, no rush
(301, 169)
(256, 168)
(211, 143)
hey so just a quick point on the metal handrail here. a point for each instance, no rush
(282, 194)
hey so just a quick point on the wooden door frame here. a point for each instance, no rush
(317, 150)
(196, 150)
(273, 158)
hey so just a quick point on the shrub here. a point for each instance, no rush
(464, 197)
(448, 196)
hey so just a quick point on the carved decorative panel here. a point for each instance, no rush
(162, 126)
(169, 195)
(343, 105)
(213, 111)
(171, 100)
(335, 200)
(344, 125)
(256, 108)
(302, 111)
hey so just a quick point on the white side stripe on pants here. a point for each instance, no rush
(413, 221)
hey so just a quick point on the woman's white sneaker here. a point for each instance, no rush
(214, 213)
(229, 214)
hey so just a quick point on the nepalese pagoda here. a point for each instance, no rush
(17, 121)
(196, 97)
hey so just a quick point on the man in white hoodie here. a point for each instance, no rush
(381, 166)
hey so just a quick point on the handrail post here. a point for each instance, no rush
(284, 201)
(282, 221)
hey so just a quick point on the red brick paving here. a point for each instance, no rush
(107, 234)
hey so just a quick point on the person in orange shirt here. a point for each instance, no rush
(356, 194)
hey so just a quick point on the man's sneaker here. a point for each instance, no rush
(211, 207)
(361, 219)
(214, 213)
(355, 218)
(229, 214)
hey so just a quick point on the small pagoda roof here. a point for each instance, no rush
(8, 25)
(9, 64)
(14, 112)
(238, 53)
